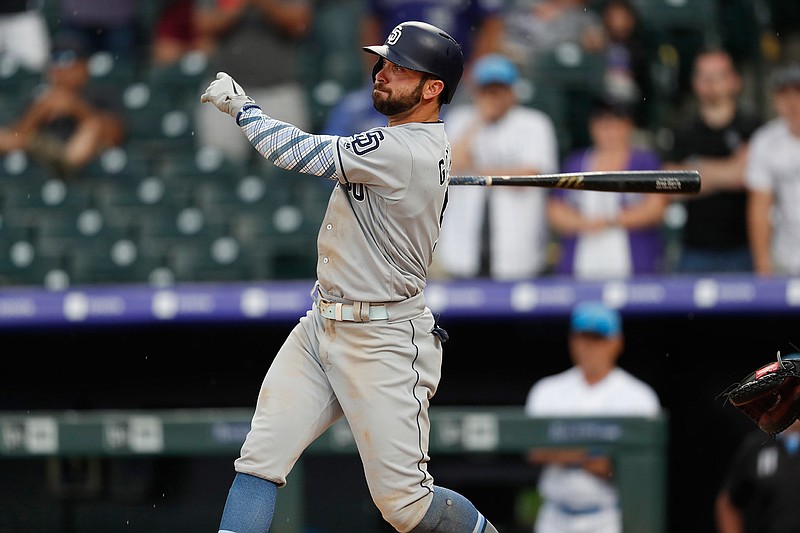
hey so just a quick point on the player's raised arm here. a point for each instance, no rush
(283, 144)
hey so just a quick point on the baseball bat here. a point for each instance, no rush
(654, 181)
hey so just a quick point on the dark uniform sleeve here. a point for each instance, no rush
(741, 477)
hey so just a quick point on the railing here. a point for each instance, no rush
(638, 445)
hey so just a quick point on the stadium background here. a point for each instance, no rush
(490, 361)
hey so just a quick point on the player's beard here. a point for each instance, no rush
(392, 106)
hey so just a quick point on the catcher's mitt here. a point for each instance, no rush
(770, 396)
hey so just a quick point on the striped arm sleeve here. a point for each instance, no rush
(286, 146)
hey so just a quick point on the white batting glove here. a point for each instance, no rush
(226, 94)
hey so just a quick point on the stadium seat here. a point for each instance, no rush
(209, 258)
(22, 262)
(161, 231)
(681, 28)
(17, 84)
(105, 69)
(180, 83)
(119, 163)
(116, 261)
(332, 59)
(220, 200)
(22, 266)
(672, 15)
(192, 165)
(17, 167)
(570, 78)
(131, 203)
(34, 201)
(282, 240)
(60, 233)
(155, 126)
(539, 94)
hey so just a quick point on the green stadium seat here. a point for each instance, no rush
(571, 79)
(132, 202)
(22, 263)
(59, 234)
(672, 15)
(208, 258)
(17, 84)
(332, 59)
(119, 163)
(220, 200)
(105, 69)
(681, 28)
(32, 202)
(192, 165)
(182, 82)
(17, 166)
(117, 261)
(161, 231)
(155, 126)
(21, 266)
(568, 65)
(541, 95)
(282, 240)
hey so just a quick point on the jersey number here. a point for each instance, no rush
(357, 191)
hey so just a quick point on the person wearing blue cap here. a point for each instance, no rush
(577, 486)
(496, 135)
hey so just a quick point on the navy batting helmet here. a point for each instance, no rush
(423, 47)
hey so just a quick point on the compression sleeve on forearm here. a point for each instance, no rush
(287, 146)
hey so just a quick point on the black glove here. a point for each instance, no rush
(770, 396)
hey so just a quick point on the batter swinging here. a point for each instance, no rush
(369, 348)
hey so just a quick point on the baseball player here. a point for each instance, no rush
(369, 348)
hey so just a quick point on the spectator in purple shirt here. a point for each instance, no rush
(604, 234)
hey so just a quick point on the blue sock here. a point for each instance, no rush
(250, 505)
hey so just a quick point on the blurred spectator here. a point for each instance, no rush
(104, 25)
(247, 34)
(628, 57)
(24, 36)
(495, 135)
(577, 485)
(536, 27)
(761, 487)
(68, 124)
(175, 34)
(713, 139)
(773, 181)
(606, 234)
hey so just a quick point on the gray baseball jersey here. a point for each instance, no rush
(375, 245)
(376, 242)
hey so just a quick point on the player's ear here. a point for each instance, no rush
(433, 88)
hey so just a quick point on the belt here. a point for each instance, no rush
(351, 312)
(577, 511)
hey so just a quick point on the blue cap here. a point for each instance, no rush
(597, 318)
(494, 68)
